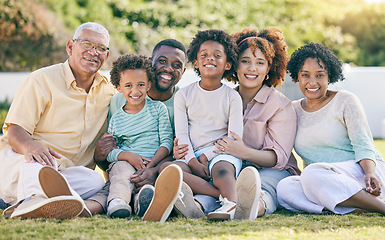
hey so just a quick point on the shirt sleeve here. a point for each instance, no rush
(181, 123)
(165, 130)
(235, 124)
(358, 129)
(280, 135)
(29, 103)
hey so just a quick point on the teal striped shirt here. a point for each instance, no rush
(141, 133)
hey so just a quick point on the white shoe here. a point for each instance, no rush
(186, 206)
(62, 207)
(117, 208)
(226, 212)
(167, 189)
(54, 184)
(249, 194)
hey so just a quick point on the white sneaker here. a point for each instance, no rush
(249, 194)
(54, 184)
(61, 207)
(226, 212)
(117, 208)
(186, 206)
(167, 189)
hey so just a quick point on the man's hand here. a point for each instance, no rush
(22, 143)
(41, 154)
(144, 176)
(199, 169)
(104, 146)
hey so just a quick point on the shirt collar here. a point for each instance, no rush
(262, 94)
(70, 78)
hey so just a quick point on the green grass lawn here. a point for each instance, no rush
(280, 225)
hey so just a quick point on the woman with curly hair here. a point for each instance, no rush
(345, 172)
(269, 124)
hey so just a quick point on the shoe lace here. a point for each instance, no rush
(181, 196)
(223, 201)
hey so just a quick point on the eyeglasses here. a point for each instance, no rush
(88, 45)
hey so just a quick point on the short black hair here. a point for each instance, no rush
(320, 52)
(217, 35)
(131, 61)
(171, 43)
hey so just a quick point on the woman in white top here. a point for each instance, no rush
(344, 171)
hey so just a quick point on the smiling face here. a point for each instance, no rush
(134, 85)
(84, 62)
(252, 69)
(211, 60)
(313, 79)
(169, 67)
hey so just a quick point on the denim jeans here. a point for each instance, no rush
(269, 180)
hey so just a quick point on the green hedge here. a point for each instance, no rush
(4, 106)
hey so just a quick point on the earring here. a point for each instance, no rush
(267, 77)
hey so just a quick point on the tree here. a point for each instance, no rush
(26, 39)
(368, 26)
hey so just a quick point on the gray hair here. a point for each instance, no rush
(95, 27)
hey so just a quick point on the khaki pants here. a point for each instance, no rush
(20, 178)
(120, 181)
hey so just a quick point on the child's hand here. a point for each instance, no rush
(179, 151)
(373, 185)
(199, 169)
(135, 160)
(145, 160)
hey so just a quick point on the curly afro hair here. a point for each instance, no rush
(131, 61)
(219, 36)
(270, 42)
(320, 52)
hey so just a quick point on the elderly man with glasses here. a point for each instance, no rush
(58, 114)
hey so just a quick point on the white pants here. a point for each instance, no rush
(20, 178)
(322, 186)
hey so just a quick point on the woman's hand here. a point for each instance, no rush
(179, 151)
(373, 185)
(231, 147)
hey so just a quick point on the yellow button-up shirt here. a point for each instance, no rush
(58, 114)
